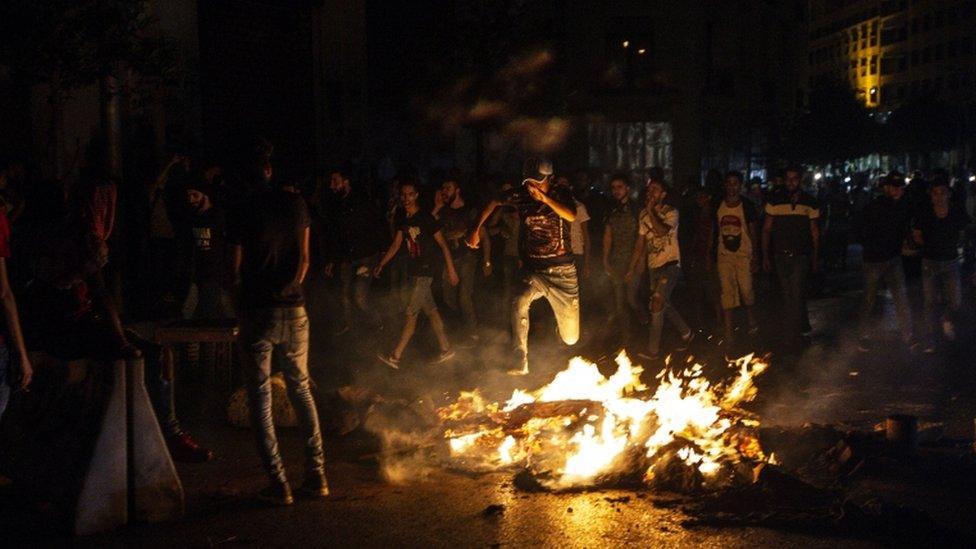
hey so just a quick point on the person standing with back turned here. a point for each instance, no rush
(269, 239)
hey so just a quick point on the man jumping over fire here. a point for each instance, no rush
(545, 212)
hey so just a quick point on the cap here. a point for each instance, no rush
(200, 185)
(536, 167)
(894, 178)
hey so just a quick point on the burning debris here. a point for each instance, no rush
(585, 430)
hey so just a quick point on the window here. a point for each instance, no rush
(874, 64)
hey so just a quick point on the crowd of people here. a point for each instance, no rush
(233, 239)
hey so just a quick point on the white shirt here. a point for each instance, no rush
(660, 249)
(576, 228)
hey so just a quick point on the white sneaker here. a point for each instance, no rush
(444, 356)
(390, 361)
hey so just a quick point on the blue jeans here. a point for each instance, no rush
(284, 331)
(938, 275)
(663, 280)
(791, 271)
(560, 287)
(894, 278)
(4, 377)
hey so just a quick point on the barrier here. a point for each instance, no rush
(131, 476)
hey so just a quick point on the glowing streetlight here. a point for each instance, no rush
(847, 179)
(817, 176)
(641, 51)
(626, 44)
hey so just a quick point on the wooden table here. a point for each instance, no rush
(222, 333)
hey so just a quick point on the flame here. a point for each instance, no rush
(584, 426)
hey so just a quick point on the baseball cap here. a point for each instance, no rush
(536, 167)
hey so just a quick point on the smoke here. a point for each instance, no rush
(515, 104)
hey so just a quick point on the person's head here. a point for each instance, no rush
(733, 184)
(657, 191)
(409, 193)
(451, 188)
(620, 186)
(940, 192)
(581, 180)
(893, 185)
(656, 173)
(199, 194)
(257, 163)
(340, 180)
(537, 171)
(794, 178)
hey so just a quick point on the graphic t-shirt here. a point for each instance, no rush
(662, 249)
(208, 248)
(544, 237)
(940, 236)
(576, 228)
(734, 239)
(418, 240)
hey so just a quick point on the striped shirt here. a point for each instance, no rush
(791, 222)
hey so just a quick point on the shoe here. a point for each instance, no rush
(948, 330)
(278, 493)
(443, 357)
(390, 361)
(185, 449)
(341, 330)
(686, 341)
(315, 486)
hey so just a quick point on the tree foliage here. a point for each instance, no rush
(834, 127)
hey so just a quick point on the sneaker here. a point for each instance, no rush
(949, 330)
(185, 449)
(390, 361)
(315, 486)
(686, 341)
(278, 493)
(443, 357)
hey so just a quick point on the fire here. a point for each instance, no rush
(584, 428)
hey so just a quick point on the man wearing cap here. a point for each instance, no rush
(545, 213)
(884, 230)
(205, 255)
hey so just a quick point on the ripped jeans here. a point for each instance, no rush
(663, 280)
(281, 331)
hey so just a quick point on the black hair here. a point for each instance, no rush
(620, 176)
(344, 169)
(794, 168)
(736, 174)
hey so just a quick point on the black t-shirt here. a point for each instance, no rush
(544, 237)
(269, 225)
(940, 236)
(422, 250)
(885, 226)
(455, 225)
(207, 246)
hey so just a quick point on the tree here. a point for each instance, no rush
(66, 45)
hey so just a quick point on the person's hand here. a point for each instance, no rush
(535, 193)
(486, 269)
(129, 351)
(452, 277)
(26, 373)
(328, 269)
(377, 270)
(473, 240)
(767, 265)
